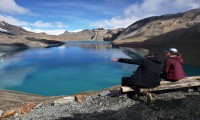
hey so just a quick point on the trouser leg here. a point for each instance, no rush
(137, 92)
(124, 81)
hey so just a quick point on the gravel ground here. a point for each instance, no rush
(174, 105)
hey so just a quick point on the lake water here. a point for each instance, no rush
(69, 69)
(64, 70)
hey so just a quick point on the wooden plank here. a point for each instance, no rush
(166, 85)
(126, 89)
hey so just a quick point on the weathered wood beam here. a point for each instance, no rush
(166, 85)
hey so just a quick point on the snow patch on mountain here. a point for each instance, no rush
(3, 30)
(2, 23)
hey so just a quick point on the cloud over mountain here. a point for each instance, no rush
(75, 15)
(146, 8)
(11, 7)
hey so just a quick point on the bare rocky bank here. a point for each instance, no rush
(110, 104)
(158, 33)
(14, 38)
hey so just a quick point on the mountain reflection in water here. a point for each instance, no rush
(72, 68)
(89, 45)
(140, 52)
(63, 70)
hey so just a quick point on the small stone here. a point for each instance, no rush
(27, 107)
(105, 93)
(39, 105)
(18, 110)
(171, 117)
(8, 113)
(198, 89)
(1, 112)
(150, 99)
(80, 98)
(190, 90)
(160, 115)
(51, 104)
(64, 100)
(16, 115)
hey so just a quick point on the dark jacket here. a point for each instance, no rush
(147, 74)
(173, 68)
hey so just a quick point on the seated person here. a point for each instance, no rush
(172, 69)
(147, 74)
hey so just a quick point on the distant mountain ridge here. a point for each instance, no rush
(181, 30)
(148, 28)
(13, 38)
(99, 34)
(5, 27)
(16, 37)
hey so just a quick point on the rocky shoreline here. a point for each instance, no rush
(107, 104)
(189, 52)
(35, 42)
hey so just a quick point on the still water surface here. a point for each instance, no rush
(64, 70)
(69, 69)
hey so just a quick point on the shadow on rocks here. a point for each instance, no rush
(13, 47)
(187, 107)
(128, 113)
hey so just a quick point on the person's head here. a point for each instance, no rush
(171, 51)
(151, 54)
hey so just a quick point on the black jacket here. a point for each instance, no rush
(147, 74)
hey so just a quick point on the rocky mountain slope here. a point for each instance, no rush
(151, 27)
(16, 38)
(11, 29)
(181, 30)
(13, 38)
(95, 34)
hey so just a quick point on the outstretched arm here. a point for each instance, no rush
(115, 60)
(129, 61)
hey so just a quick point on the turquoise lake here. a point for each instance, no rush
(64, 70)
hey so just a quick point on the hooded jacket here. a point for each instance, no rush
(173, 68)
(147, 74)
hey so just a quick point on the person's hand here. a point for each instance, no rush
(115, 60)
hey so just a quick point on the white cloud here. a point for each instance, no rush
(50, 32)
(75, 30)
(145, 9)
(11, 7)
(42, 24)
(13, 77)
(38, 24)
(60, 25)
(159, 7)
(13, 21)
(116, 22)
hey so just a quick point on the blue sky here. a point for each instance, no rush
(56, 16)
